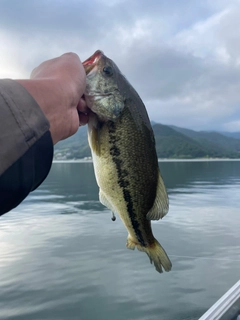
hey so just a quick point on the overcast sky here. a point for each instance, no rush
(182, 56)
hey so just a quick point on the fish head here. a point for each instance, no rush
(102, 94)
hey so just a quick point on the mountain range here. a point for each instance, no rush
(171, 142)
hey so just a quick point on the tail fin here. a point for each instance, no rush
(156, 254)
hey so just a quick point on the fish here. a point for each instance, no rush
(124, 156)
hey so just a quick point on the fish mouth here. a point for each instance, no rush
(91, 62)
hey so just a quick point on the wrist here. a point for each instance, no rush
(43, 93)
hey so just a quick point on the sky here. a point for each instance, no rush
(182, 56)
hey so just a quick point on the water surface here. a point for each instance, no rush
(62, 257)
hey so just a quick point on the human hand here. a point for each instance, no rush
(58, 85)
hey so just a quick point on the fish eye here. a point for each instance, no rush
(108, 71)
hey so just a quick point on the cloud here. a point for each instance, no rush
(182, 57)
(232, 126)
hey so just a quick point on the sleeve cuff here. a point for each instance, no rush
(22, 122)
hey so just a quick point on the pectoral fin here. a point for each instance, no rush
(95, 143)
(160, 206)
(94, 134)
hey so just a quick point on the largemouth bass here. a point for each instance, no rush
(124, 156)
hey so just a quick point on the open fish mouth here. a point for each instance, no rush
(91, 62)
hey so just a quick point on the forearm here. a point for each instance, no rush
(35, 114)
(26, 144)
(46, 93)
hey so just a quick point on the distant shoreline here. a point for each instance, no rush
(198, 160)
(159, 160)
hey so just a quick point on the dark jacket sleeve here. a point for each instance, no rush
(26, 148)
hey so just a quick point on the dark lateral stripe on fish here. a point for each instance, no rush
(124, 183)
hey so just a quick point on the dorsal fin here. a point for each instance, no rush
(160, 206)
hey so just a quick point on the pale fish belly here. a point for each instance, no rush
(110, 193)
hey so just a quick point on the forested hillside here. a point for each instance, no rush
(171, 142)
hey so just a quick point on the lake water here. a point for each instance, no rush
(63, 258)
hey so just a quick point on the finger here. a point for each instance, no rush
(82, 106)
(83, 118)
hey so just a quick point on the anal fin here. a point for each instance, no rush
(130, 244)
